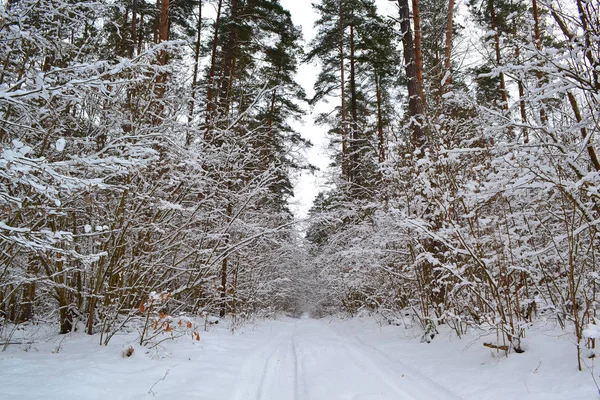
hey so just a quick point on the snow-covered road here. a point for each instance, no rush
(313, 361)
(296, 359)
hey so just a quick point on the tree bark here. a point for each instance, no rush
(494, 26)
(133, 29)
(163, 29)
(448, 48)
(503, 91)
(229, 60)
(188, 139)
(345, 168)
(161, 81)
(140, 35)
(380, 135)
(354, 144)
(210, 104)
(224, 265)
(538, 45)
(415, 104)
(418, 48)
(28, 295)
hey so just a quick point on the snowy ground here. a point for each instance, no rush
(297, 359)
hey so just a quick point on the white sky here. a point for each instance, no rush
(307, 185)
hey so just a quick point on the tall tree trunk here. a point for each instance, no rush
(223, 309)
(62, 296)
(345, 161)
(494, 26)
(161, 81)
(415, 104)
(522, 107)
(538, 45)
(224, 265)
(229, 60)
(133, 29)
(354, 144)
(157, 23)
(28, 295)
(210, 102)
(380, 135)
(163, 29)
(132, 92)
(140, 35)
(418, 49)
(272, 108)
(188, 139)
(448, 47)
(267, 147)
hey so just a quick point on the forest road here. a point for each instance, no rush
(312, 361)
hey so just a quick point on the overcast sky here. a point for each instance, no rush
(307, 185)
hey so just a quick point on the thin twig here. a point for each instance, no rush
(155, 383)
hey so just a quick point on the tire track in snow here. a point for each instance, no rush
(335, 372)
(252, 374)
(415, 385)
(271, 373)
(266, 376)
(313, 361)
(418, 384)
(298, 381)
(370, 368)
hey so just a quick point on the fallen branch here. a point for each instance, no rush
(496, 346)
(11, 343)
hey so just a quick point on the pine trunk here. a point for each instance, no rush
(538, 45)
(345, 172)
(161, 81)
(494, 26)
(210, 103)
(133, 29)
(448, 48)
(229, 60)
(224, 267)
(415, 105)
(188, 139)
(380, 135)
(354, 144)
(418, 48)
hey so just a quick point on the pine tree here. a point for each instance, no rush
(251, 94)
(359, 64)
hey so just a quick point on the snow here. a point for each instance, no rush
(301, 359)
(591, 331)
(8, 155)
(60, 144)
(5, 227)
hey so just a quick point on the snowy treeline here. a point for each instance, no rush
(145, 160)
(484, 211)
(146, 157)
